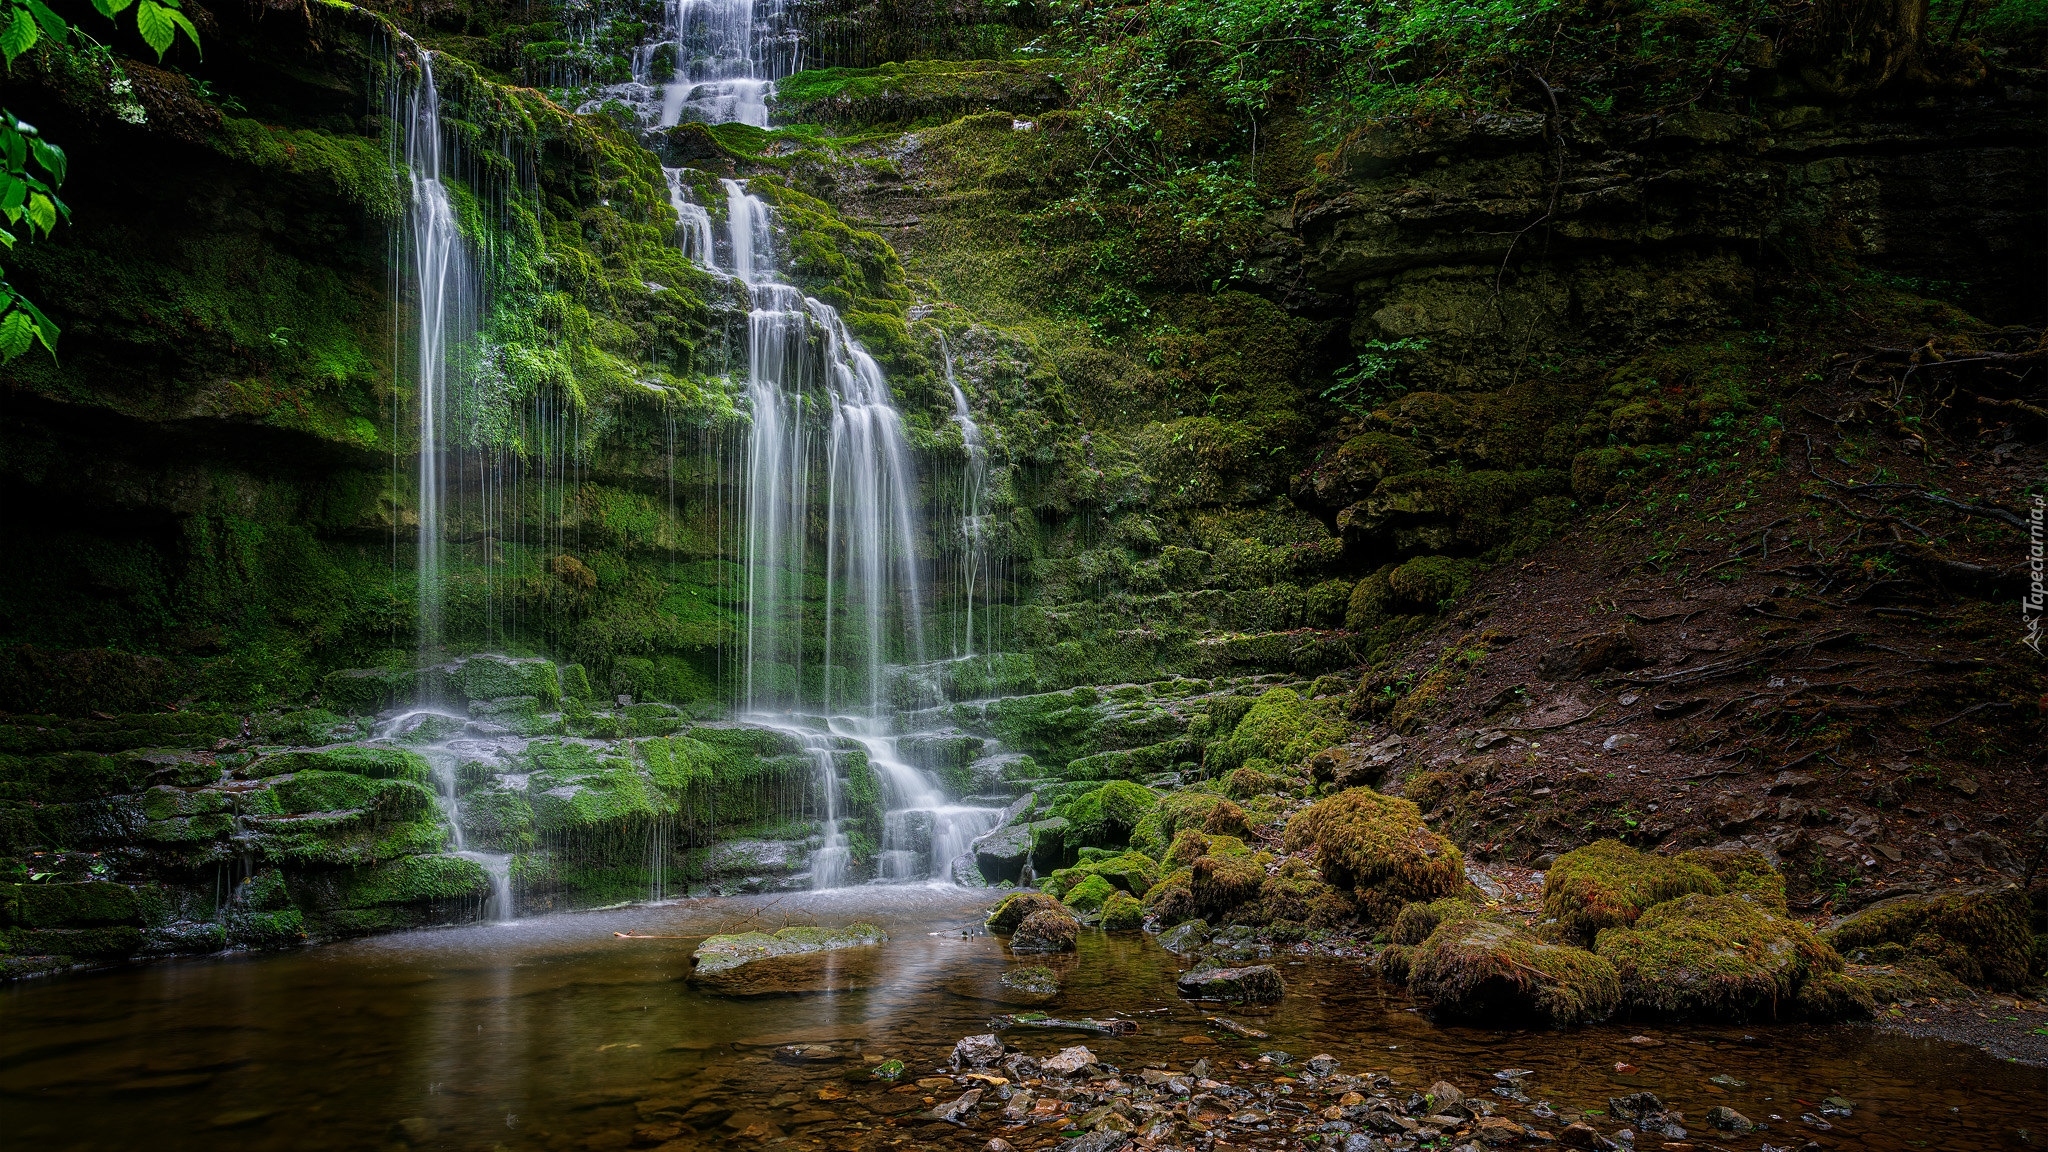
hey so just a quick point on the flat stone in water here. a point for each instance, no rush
(789, 960)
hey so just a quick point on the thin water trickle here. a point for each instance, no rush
(713, 61)
(444, 740)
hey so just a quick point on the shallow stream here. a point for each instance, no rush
(555, 1033)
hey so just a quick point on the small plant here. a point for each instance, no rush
(1370, 380)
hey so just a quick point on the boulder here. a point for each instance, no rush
(1032, 981)
(1475, 969)
(1012, 910)
(984, 1051)
(1377, 846)
(1729, 1120)
(1981, 936)
(1051, 930)
(1122, 913)
(789, 960)
(1608, 884)
(1258, 984)
(1002, 854)
(1714, 958)
(1185, 938)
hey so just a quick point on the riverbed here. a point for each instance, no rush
(558, 1032)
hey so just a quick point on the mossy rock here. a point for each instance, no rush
(503, 677)
(1089, 894)
(1046, 930)
(1256, 984)
(1295, 896)
(1221, 883)
(305, 793)
(1280, 727)
(1377, 846)
(1722, 958)
(787, 960)
(1155, 831)
(1131, 872)
(1250, 781)
(80, 905)
(1488, 971)
(1608, 884)
(308, 726)
(1395, 962)
(1743, 871)
(1122, 912)
(1981, 936)
(1011, 910)
(1034, 982)
(373, 762)
(362, 691)
(1172, 900)
(576, 684)
(1106, 816)
(1418, 920)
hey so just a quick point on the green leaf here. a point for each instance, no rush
(54, 26)
(153, 20)
(19, 35)
(178, 18)
(42, 212)
(46, 331)
(111, 8)
(17, 333)
(51, 158)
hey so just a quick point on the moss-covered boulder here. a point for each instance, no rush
(1282, 728)
(503, 677)
(1047, 930)
(1487, 970)
(1220, 883)
(1087, 896)
(1608, 884)
(1131, 872)
(788, 960)
(1256, 984)
(1724, 958)
(1743, 871)
(1981, 936)
(1417, 920)
(1106, 816)
(1122, 912)
(1172, 900)
(1377, 847)
(1176, 811)
(1011, 910)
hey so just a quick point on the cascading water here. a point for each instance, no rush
(973, 568)
(693, 221)
(439, 738)
(444, 288)
(714, 61)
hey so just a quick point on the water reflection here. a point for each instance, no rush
(555, 1033)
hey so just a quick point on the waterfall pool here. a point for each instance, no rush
(559, 1033)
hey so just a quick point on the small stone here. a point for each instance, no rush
(1104, 1141)
(960, 1110)
(998, 1144)
(1728, 1119)
(1579, 1134)
(1444, 1095)
(1624, 1069)
(1727, 1081)
(1498, 1130)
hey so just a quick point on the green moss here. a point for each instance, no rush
(416, 880)
(1744, 872)
(1088, 893)
(498, 820)
(374, 763)
(1220, 883)
(1122, 912)
(1172, 900)
(1280, 727)
(1418, 920)
(913, 92)
(1131, 872)
(1155, 832)
(1012, 909)
(1715, 958)
(1486, 970)
(1608, 884)
(342, 792)
(1377, 846)
(1981, 936)
(56, 905)
(1106, 816)
(67, 777)
(499, 678)
(1047, 930)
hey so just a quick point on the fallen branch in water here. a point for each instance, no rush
(1040, 1020)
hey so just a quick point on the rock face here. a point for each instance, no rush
(1257, 984)
(789, 960)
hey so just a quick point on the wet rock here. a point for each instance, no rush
(1980, 936)
(959, 1111)
(1185, 938)
(998, 1144)
(757, 963)
(1019, 1067)
(887, 1070)
(1579, 1134)
(1046, 931)
(1477, 969)
(1235, 945)
(1067, 1062)
(984, 1051)
(1258, 984)
(1728, 1119)
(1444, 1096)
(1032, 982)
(1012, 910)
(808, 1054)
(1108, 1141)
(1496, 1131)
(1646, 1112)
(1322, 1064)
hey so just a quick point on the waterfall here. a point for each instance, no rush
(974, 576)
(693, 222)
(444, 287)
(438, 737)
(714, 61)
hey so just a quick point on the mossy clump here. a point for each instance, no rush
(1608, 884)
(1221, 883)
(1724, 958)
(376, 763)
(1280, 727)
(1476, 969)
(1394, 962)
(1225, 819)
(1743, 871)
(1004, 918)
(1122, 912)
(1419, 919)
(1132, 872)
(1107, 816)
(1089, 894)
(1172, 900)
(1377, 847)
(1981, 936)
(1251, 780)
(1046, 931)
(1295, 896)
(1177, 812)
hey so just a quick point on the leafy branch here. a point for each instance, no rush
(1370, 380)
